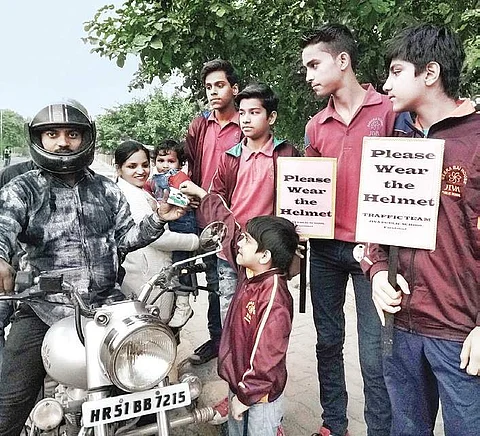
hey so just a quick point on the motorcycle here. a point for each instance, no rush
(108, 367)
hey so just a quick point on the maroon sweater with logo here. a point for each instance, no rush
(445, 283)
(253, 348)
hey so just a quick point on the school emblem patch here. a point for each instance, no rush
(454, 178)
(375, 126)
(250, 311)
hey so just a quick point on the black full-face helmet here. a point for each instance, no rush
(68, 114)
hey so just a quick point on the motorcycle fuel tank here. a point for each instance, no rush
(64, 355)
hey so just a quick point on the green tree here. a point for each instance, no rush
(12, 130)
(261, 38)
(146, 120)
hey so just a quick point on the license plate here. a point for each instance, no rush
(128, 406)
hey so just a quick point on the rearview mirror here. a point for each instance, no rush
(212, 236)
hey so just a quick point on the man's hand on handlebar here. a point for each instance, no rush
(7, 277)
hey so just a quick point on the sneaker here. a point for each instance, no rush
(221, 412)
(183, 312)
(324, 431)
(180, 317)
(280, 430)
(204, 353)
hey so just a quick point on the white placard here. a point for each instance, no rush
(399, 191)
(306, 194)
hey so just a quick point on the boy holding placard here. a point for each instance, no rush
(354, 111)
(436, 347)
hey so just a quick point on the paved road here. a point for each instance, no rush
(14, 160)
(98, 165)
(302, 415)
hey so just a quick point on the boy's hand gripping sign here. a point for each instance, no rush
(400, 191)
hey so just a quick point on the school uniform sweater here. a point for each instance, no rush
(444, 283)
(253, 348)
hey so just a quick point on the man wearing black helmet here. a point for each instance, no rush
(65, 218)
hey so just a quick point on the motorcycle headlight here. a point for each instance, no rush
(138, 353)
(47, 414)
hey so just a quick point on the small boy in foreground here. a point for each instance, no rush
(253, 348)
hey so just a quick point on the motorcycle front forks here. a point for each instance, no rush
(162, 420)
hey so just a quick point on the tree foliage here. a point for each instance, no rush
(146, 120)
(261, 38)
(12, 129)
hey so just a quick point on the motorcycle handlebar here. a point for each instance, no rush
(24, 280)
(32, 286)
(29, 286)
(192, 269)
